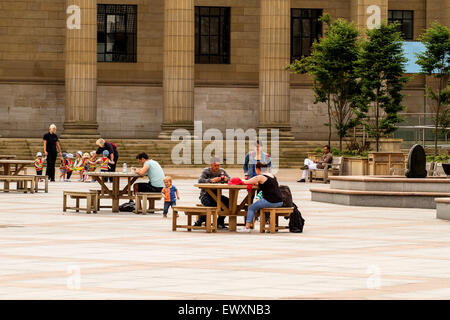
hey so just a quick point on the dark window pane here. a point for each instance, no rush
(398, 14)
(212, 34)
(116, 33)
(304, 31)
(214, 26)
(407, 14)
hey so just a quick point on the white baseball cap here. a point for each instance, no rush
(39, 154)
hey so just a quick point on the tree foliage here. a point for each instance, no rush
(332, 66)
(435, 62)
(381, 68)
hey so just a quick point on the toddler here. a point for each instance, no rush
(39, 164)
(63, 167)
(171, 195)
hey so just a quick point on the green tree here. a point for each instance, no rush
(381, 68)
(332, 66)
(435, 62)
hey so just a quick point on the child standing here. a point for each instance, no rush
(69, 166)
(86, 167)
(171, 195)
(104, 164)
(78, 166)
(63, 167)
(39, 164)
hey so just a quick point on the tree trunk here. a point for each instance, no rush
(377, 114)
(329, 120)
(436, 121)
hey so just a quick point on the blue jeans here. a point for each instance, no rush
(260, 204)
(167, 205)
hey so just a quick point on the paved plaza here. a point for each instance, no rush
(343, 253)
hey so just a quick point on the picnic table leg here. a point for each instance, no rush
(64, 202)
(208, 221)
(232, 219)
(144, 205)
(7, 172)
(215, 220)
(88, 203)
(189, 222)
(262, 221)
(115, 192)
(32, 182)
(273, 218)
(174, 220)
(77, 201)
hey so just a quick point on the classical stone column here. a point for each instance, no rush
(360, 14)
(178, 69)
(274, 56)
(81, 69)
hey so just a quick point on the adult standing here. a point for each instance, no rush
(253, 157)
(113, 154)
(51, 150)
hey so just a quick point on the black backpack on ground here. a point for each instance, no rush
(296, 221)
(127, 207)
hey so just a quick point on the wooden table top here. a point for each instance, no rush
(3, 161)
(222, 186)
(113, 174)
(7, 156)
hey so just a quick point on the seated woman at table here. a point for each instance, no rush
(271, 194)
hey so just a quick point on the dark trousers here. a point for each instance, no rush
(112, 167)
(207, 201)
(167, 205)
(51, 160)
(39, 172)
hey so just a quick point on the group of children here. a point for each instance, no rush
(82, 163)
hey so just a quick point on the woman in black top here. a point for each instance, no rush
(268, 184)
(113, 154)
(51, 149)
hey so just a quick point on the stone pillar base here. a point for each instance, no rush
(73, 130)
(167, 129)
(285, 131)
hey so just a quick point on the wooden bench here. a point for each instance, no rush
(91, 201)
(209, 212)
(151, 197)
(99, 194)
(274, 214)
(335, 167)
(22, 183)
(38, 179)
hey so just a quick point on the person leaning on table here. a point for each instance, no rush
(271, 194)
(213, 174)
(155, 174)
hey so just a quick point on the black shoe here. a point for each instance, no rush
(198, 224)
(301, 180)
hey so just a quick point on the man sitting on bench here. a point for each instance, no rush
(213, 174)
(313, 165)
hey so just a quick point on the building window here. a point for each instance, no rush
(212, 35)
(406, 20)
(116, 33)
(305, 29)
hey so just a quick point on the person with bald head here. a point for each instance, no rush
(213, 174)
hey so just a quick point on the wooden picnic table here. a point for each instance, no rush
(234, 208)
(19, 166)
(7, 156)
(115, 194)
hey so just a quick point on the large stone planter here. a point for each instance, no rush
(355, 166)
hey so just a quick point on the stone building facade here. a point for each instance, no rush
(50, 73)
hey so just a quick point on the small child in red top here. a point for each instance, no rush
(170, 193)
(39, 164)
